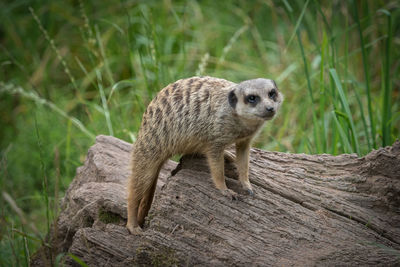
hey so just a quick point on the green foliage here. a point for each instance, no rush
(72, 70)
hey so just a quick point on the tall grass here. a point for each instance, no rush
(71, 71)
(366, 74)
(387, 93)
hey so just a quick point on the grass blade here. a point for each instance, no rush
(345, 104)
(364, 121)
(106, 111)
(343, 137)
(104, 56)
(386, 105)
(366, 74)
(77, 260)
(303, 11)
(45, 184)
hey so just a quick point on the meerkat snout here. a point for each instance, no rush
(270, 110)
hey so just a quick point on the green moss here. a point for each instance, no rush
(108, 216)
(165, 257)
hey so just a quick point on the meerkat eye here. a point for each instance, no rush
(272, 94)
(252, 99)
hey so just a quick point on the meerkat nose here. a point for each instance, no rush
(270, 109)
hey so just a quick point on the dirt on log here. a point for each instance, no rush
(307, 210)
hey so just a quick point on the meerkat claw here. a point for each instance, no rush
(135, 230)
(248, 188)
(250, 192)
(230, 194)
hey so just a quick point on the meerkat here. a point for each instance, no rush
(202, 115)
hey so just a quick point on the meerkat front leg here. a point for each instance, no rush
(216, 163)
(132, 224)
(242, 162)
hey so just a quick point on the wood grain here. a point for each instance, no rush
(307, 210)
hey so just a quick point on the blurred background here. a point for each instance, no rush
(71, 70)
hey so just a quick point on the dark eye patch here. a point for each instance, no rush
(252, 99)
(272, 94)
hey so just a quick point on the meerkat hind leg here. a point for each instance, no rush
(242, 161)
(216, 164)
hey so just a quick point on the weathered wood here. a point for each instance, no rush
(307, 210)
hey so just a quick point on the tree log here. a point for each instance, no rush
(307, 210)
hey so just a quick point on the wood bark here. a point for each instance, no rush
(307, 210)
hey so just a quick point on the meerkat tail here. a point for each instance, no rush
(147, 199)
(141, 191)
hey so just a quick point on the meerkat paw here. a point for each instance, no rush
(134, 230)
(230, 194)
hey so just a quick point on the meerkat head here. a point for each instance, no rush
(255, 100)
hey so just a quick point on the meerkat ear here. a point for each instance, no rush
(232, 99)
(274, 84)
